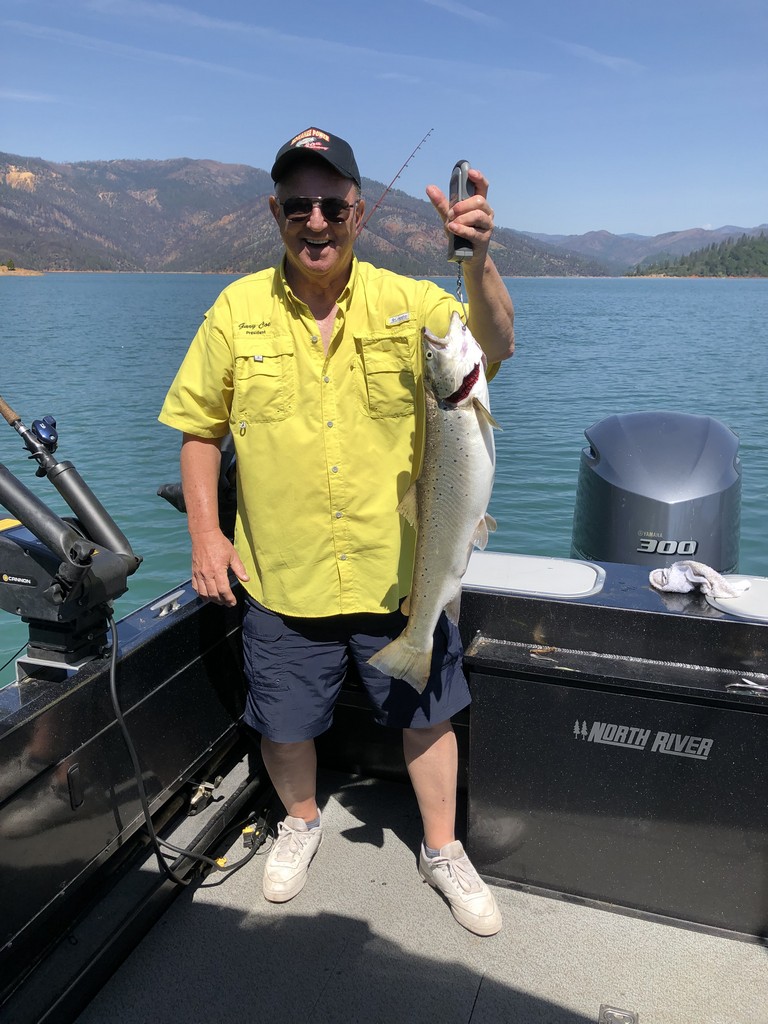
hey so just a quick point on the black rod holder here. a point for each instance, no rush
(97, 523)
(58, 536)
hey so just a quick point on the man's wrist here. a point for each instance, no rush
(197, 530)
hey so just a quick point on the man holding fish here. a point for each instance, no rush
(358, 404)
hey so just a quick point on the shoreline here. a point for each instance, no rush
(23, 272)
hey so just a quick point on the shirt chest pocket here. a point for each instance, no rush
(387, 385)
(265, 380)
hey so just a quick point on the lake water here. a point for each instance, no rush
(98, 351)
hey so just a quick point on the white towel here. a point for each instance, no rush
(680, 577)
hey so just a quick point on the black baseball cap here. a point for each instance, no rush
(331, 148)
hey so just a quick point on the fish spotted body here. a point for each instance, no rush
(447, 503)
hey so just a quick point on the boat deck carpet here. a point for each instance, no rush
(367, 941)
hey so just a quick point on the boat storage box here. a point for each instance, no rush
(618, 745)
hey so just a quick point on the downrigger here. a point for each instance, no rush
(60, 574)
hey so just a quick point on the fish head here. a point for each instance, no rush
(453, 365)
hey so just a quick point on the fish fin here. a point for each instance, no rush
(409, 507)
(480, 537)
(453, 608)
(484, 413)
(400, 660)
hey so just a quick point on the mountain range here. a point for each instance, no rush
(620, 252)
(187, 215)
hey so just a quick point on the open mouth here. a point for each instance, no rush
(467, 384)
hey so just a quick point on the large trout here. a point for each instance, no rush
(447, 503)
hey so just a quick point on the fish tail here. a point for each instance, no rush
(400, 660)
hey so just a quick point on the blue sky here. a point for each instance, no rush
(621, 115)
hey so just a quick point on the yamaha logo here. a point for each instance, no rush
(634, 738)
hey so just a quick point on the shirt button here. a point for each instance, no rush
(334, 469)
(330, 423)
(327, 380)
(339, 515)
(314, 339)
(343, 558)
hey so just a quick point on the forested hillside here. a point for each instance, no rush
(744, 257)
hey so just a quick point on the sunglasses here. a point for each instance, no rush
(333, 209)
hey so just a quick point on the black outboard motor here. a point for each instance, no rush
(658, 487)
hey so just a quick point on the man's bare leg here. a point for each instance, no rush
(292, 767)
(431, 757)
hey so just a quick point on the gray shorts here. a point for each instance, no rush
(295, 667)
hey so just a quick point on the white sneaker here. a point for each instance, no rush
(470, 900)
(288, 862)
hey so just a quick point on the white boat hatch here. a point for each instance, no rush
(752, 604)
(537, 575)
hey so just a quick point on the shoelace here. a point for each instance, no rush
(290, 841)
(461, 871)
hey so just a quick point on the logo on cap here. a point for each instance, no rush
(311, 139)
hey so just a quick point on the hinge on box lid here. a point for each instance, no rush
(202, 794)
